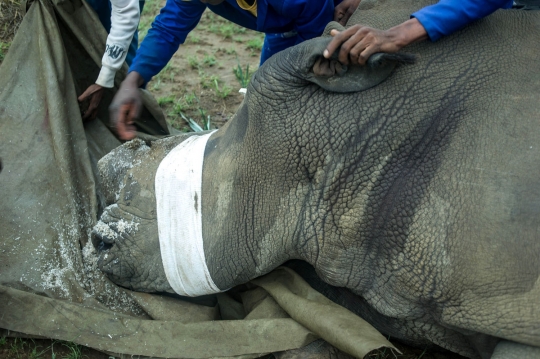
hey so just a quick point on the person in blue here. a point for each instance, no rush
(285, 23)
(359, 42)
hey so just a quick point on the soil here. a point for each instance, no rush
(200, 80)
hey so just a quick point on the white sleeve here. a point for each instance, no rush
(124, 21)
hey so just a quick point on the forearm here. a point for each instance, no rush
(169, 30)
(153, 55)
(407, 33)
(133, 80)
(124, 22)
(448, 16)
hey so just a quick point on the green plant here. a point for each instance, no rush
(193, 62)
(255, 44)
(194, 125)
(179, 107)
(75, 350)
(17, 346)
(165, 100)
(230, 51)
(421, 355)
(193, 39)
(222, 92)
(156, 84)
(3, 341)
(4, 47)
(184, 103)
(226, 31)
(36, 353)
(243, 76)
(209, 60)
(204, 80)
(190, 98)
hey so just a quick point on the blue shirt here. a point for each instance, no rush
(307, 18)
(447, 16)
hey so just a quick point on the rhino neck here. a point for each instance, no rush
(245, 226)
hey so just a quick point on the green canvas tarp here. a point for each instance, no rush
(50, 199)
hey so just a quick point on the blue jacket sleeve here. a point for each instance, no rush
(169, 30)
(311, 17)
(448, 16)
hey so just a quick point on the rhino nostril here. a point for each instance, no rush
(102, 246)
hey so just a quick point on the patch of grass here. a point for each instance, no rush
(36, 353)
(17, 347)
(184, 103)
(190, 98)
(209, 60)
(207, 81)
(193, 62)
(75, 350)
(222, 92)
(165, 100)
(156, 83)
(230, 51)
(206, 121)
(255, 44)
(243, 76)
(4, 47)
(192, 39)
(226, 31)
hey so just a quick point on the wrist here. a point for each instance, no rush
(408, 32)
(133, 79)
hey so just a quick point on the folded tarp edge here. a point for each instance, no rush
(37, 315)
(333, 323)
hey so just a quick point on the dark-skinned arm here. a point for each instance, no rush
(441, 19)
(126, 106)
(359, 42)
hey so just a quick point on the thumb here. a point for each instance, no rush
(334, 32)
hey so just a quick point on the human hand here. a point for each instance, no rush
(343, 11)
(94, 93)
(126, 106)
(359, 42)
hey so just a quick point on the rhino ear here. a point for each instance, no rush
(333, 76)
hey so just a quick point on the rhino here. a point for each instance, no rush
(413, 188)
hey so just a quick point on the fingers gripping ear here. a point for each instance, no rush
(328, 68)
(333, 76)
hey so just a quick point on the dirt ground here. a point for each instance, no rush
(200, 83)
(205, 74)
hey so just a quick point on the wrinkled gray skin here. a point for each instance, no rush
(420, 196)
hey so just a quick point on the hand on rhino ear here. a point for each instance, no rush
(332, 75)
(358, 43)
